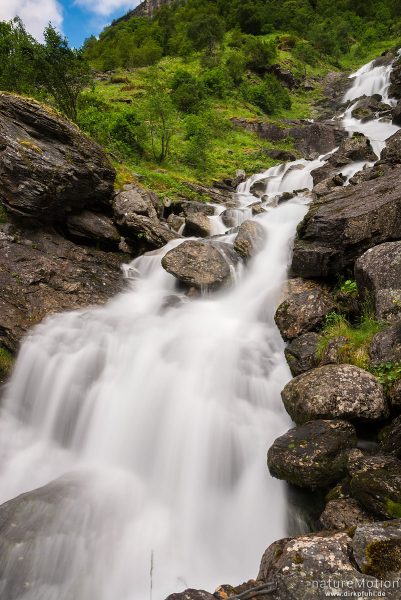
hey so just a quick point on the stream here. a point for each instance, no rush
(156, 412)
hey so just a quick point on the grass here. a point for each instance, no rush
(6, 364)
(359, 337)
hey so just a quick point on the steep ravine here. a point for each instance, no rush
(147, 420)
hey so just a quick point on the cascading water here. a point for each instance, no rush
(160, 410)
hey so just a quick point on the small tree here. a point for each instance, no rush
(160, 117)
(62, 72)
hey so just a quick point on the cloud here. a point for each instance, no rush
(106, 7)
(36, 14)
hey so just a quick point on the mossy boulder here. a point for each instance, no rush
(377, 549)
(377, 485)
(312, 455)
(344, 513)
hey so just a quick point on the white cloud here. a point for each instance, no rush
(36, 14)
(106, 7)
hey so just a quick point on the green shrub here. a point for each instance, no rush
(188, 93)
(216, 82)
(269, 95)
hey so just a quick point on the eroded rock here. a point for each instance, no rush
(377, 485)
(250, 239)
(344, 513)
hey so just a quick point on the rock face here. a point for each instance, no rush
(397, 114)
(47, 166)
(93, 227)
(395, 79)
(312, 455)
(250, 239)
(335, 392)
(347, 222)
(376, 484)
(200, 264)
(303, 310)
(343, 513)
(378, 275)
(135, 213)
(42, 273)
(314, 567)
(301, 353)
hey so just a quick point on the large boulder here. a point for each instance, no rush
(135, 213)
(47, 166)
(304, 309)
(197, 224)
(386, 346)
(347, 222)
(376, 484)
(89, 226)
(301, 353)
(370, 107)
(391, 154)
(200, 264)
(43, 273)
(335, 392)
(378, 276)
(250, 239)
(344, 513)
(312, 455)
(377, 549)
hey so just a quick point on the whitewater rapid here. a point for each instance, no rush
(161, 409)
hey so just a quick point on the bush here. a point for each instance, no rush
(269, 95)
(259, 54)
(235, 65)
(199, 137)
(217, 82)
(188, 92)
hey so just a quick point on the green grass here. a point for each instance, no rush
(6, 364)
(359, 337)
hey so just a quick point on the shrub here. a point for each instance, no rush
(217, 82)
(187, 93)
(269, 95)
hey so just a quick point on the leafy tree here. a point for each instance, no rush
(259, 54)
(18, 52)
(206, 31)
(159, 116)
(188, 92)
(269, 95)
(62, 72)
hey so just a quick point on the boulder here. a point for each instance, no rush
(135, 213)
(304, 309)
(370, 107)
(397, 114)
(250, 239)
(378, 276)
(197, 224)
(395, 80)
(192, 595)
(386, 346)
(282, 155)
(390, 438)
(175, 222)
(43, 273)
(355, 148)
(335, 392)
(301, 353)
(376, 549)
(377, 485)
(316, 566)
(334, 351)
(189, 207)
(200, 264)
(347, 222)
(312, 455)
(395, 395)
(257, 208)
(391, 154)
(344, 513)
(93, 227)
(47, 166)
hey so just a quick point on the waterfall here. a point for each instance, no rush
(157, 411)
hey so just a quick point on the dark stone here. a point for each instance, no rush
(378, 276)
(335, 392)
(376, 548)
(192, 595)
(397, 114)
(370, 107)
(377, 485)
(301, 353)
(281, 155)
(386, 346)
(191, 207)
(332, 354)
(250, 239)
(390, 438)
(197, 224)
(47, 166)
(391, 154)
(395, 80)
(93, 227)
(344, 513)
(312, 455)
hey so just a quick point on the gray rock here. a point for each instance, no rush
(376, 548)
(335, 392)
(386, 346)
(304, 309)
(200, 264)
(175, 222)
(312, 455)
(189, 207)
(344, 513)
(333, 353)
(390, 438)
(378, 276)
(47, 166)
(397, 114)
(377, 485)
(192, 595)
(93, 227)
(250, 239)
(370, 107)
(197, 224)
(301, 353)
(395, 80)
(391, 154)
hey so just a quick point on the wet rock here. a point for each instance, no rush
(47, 166)
(395, 80)
(312, 455)
(42, 273)
(231, 217)
(325, 186)
(258, 188)
(197, 224)
(250, 239)
(333, 352)
(136, 215)
(376, 548)
(335, 392)
(192, 595)
(190, 207)
(257, 208)
(378, 276)
(355, 148)
(386, 346)
(391, 154)
(301, 353)
(346, 223)
(303, 310)
(390, 438)
(200, 264)
(93, 227)
(377, 485)
(370, 107)
(397, 114)
(175, 222)
(282, 155)
(344, 513)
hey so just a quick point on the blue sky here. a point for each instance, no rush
(77, 19)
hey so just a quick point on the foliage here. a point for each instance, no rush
(388, 373)
(349, 287)
(6, 363)
(269, 95)
(188, 92)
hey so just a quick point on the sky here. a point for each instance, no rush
(77, 19)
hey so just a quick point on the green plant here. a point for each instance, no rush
(6, 363)
(349, 286)
(387, 373)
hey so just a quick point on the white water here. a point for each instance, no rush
(163, 408)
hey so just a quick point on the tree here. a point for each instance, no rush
(206, 31)
(160, 117)
(62, 72)
(17, 57)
